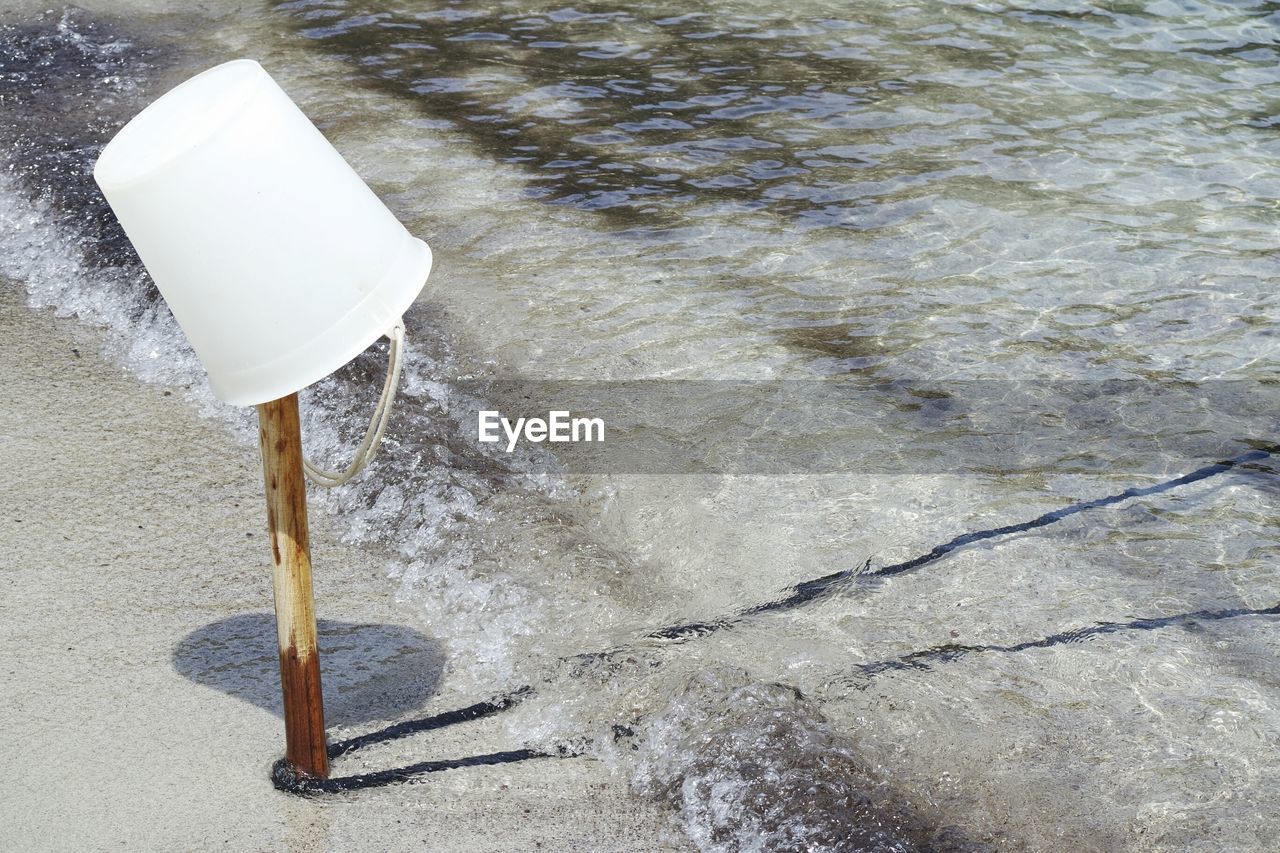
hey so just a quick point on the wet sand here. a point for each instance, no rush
(130, 527)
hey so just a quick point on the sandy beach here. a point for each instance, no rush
(132, 531)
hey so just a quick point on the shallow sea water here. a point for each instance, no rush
(1035, 245)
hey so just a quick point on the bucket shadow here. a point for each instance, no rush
(368, 672)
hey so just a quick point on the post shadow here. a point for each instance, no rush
(370, 672)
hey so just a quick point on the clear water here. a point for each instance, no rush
(973, 215)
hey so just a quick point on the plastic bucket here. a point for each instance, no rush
(277, 260)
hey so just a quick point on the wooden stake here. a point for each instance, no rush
(281, 438)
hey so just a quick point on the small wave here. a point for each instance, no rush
(751, 766)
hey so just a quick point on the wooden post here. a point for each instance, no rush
(281, 438)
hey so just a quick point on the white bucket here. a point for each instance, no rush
(279, 263)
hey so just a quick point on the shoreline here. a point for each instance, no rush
(138, 578)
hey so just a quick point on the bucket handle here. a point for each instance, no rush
(377, 424)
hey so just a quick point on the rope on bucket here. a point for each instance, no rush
(377, 424)
(287, 779)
